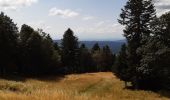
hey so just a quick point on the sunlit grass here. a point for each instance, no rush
(94, 86)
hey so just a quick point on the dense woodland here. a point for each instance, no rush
(33, 52)
(144, 60)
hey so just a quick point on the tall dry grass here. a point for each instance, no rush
(92, 86)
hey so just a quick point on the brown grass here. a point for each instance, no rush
(93, 86)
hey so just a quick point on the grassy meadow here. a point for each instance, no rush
(90, 86)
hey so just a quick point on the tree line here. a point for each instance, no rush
(145, 59)
(33, 52)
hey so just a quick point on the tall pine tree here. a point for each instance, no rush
(155, 65)
(86, 61)
(70, 51)
(121, 67)
(23, 53)
(107, 58)
(136, 16)
(8, 42)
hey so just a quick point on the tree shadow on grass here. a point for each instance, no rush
(13, 77)
(48, 78)
(23, 78)
(162, 93)
(129, 88)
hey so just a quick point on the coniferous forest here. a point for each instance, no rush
(143, 61)
(31, 52)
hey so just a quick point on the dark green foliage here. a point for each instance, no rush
(70, 51)
(145, 62)
(121, 67)
(34, 50)
(136, 16)
(25, 33)
(95, 48)
(56, 46)
(97, 57)
(8, 42)
(86, 61)
(107, 59)
(155, 65)
(31, 52)
(37, 52)
(103, 59)
(42, 55)
(50, 56)
(24, 56)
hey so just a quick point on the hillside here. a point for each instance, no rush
(90, 86)
(114, 45)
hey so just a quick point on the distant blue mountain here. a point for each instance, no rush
(114, 45)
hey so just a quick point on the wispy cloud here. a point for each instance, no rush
(162, 6)
(88, 18)
(101, 29)
(40, 25)
(67, 13)
(14, 4)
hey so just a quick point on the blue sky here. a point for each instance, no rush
(89, 19)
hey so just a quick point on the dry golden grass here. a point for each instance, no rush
(93, 86)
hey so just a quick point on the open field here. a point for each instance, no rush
(93, 86)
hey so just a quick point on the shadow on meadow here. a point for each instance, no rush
(162, 93)
(23, 78)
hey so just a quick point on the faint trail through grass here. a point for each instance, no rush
(90, 86)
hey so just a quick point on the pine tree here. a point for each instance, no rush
(25, 33)
(155, 63)
(56, 46)
(98, 60)
(24, 36)
(8, 42)
(70, 51)
(35, 52)
(95, 48)
(50, 56)
(86, 61)
(107, 58)
(136, 16)
(97, 56)
(121, 67)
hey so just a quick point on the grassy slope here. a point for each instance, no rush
(94, 86)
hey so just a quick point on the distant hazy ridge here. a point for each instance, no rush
(114, 45)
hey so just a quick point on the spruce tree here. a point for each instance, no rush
(86, 61)
(107, 58)
(56, 46)
(25, 33)
(24, 56)
(121, 67)
(98, 60)
(155, 65)
(97, 56)
(35, 52)
(95, 48)
(136, 16)
(8, 42)
(70, 51)
(50, 56)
